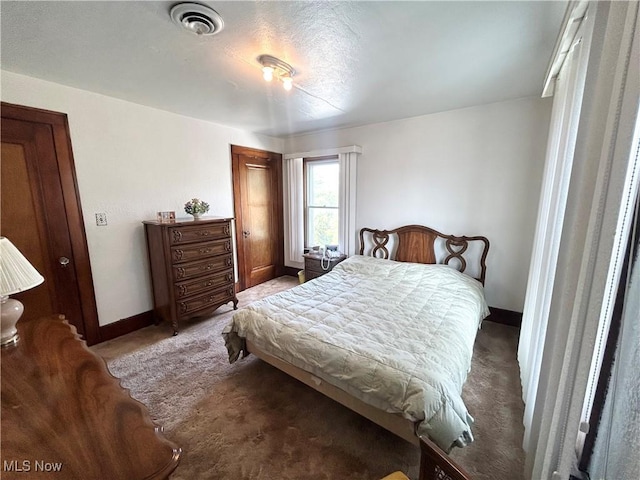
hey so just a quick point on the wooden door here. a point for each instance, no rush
(41, 216)
(257, 193)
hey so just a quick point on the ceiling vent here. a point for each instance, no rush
(197, 18)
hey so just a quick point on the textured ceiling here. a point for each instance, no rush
(357, 62)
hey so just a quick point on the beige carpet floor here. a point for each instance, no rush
(250, 421)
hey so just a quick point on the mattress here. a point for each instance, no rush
(398, 336)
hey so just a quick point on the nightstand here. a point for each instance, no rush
(314, 262)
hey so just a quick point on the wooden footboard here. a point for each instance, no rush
(436, 465)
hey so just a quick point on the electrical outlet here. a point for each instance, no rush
(101, 219)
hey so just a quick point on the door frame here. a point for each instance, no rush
(59, 125)
(236, 151)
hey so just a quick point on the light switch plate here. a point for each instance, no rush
(101, 219)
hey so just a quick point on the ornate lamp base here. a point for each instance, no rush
(11, 312)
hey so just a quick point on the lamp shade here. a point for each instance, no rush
(17, 273)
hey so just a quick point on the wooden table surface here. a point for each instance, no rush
(65, 416)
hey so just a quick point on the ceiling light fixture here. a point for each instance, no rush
(274, 67)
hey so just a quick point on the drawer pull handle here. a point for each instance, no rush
(227, 246)
(229, 276)
(205, 250)
(209, 283)
(228, 262)
(203, 233)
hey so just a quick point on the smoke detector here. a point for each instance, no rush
(196, 18)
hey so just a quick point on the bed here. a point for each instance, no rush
(388, 333)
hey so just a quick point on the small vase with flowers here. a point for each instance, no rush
(196, 207)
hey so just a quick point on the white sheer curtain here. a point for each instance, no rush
(568, 86)
(347, 203)
(293, 211)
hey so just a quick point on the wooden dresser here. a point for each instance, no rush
(191, 267)
(316, 265)
(65, 416)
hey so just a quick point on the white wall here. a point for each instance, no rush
(475, 171)
(132, 161)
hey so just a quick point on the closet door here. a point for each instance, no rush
(41, 216)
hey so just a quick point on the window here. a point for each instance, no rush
(321, 200)
(295, 200)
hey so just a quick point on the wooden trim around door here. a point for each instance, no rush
(66, 166)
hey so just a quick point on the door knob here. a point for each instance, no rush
(64, 261)
(246, 233)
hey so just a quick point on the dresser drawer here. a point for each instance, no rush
(196, 251)
(185, 271)
(199, 233)
(201, 284)
(207, 300)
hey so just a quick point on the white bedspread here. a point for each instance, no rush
(398, 336)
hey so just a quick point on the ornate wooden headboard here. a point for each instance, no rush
(417, 244)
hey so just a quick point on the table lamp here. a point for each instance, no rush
(17, 275)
